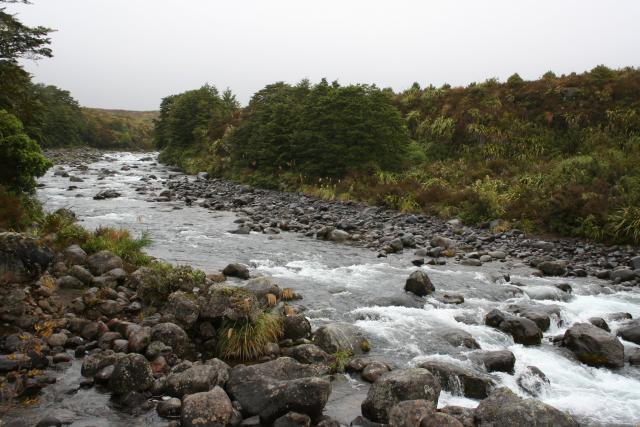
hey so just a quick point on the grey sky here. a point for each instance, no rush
(130, 53)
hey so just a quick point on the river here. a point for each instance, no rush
(346, 283)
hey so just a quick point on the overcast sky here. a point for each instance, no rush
(130, 53)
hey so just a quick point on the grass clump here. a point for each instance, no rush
(158, 280)
(121, 243)
(60, 230)
(340, 361)
(244, 340)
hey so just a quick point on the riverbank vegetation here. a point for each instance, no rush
(554, 155)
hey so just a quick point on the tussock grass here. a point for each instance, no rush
(121, 243)
(246, 341)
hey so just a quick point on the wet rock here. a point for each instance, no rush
(451, 298)
(439, 419)
(374, 370)
(505, 409)
(539, 314)
(630, 331)
(22, 259)
(139, 339)
(197, 378)
(57, 340)
(532, 380)
(272, 389)
(296, 327)
(496, 361)
(96, 361)
(104, 375)
(593, 346)
(442, 242)
(131, 373)
(308, 354)
(553, 268)
(523, 331)
(236, 270)
(635, 263)
(397, 386)
(634, 357)
(74, 255)
(106, 194)
(231, 303)
(357, 364)
(458, 379)
(169, 408)
(262, 286)
(103, 261)
(293, 419)
(182, 308)
(410, 413)
(208, 409)
(13, 362)
(462, 414)
(49, 421)
(336, 337)
(171, 335)
(459, 338)
(419, 284)
(600, 323)
(622, 275)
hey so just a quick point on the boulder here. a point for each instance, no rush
(553, 268)
(439, 419)
(131, 373)
(95, 362)
(503, 408)
(182, 308)
(622, 275)
(236, 270)
(442, 242)
(459, 338)
(496, 361)
(169, 408)
(293, 419)
(106, 194)
(600, 323)
(207, 409)
(13, 304)
(103, 261)
(172, 335)
(139, 339)
(410, 413)
(22, 259)
(460, 380)
(419, 284)
(397, 386)
(74, 255)
(630, 331)
(593, 346)
(197, 378)
(261, 286)
(296, 327)
(81, 274)
(374, 370)
(336, 337)
(229, 302)
(523, 331)
(532, 380)
(273, 388)
(308, 354)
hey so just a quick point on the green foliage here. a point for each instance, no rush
(626, 224)
(340, 361)
(162, 279)
(18, 211)
(119, 129)
(60, 121)
(60, 230)
(20, 156)
(20, 41)
(120, 243)
(244, 340)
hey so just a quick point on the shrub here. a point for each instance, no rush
(246, 341)
(120, 243)
(162, 279)
(626, 224)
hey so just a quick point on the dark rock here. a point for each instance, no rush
(94, 362)
(49, 421)
(451, 298)
(231, 303)
(74, 255)
(459, 338)
(630, 331)
(419, 283)
(409, 413)
(169, 408)
(131, 373)
(22, 259)
(197, 378)
(462, 414)
(439, 419)
(236, 270)
(523, 331)
(106, 194)
(533, 380)
(182, 308)
(553, 268)
(172, 335)
(207, 409)
(293, 419)
(458, 379)
(397, 386)
(103, 261)
(308, 354)
(81, 274)
(600, 323)
(296, 327)
(374, 370)
(593, 346)
(497, 361)
(336, 337)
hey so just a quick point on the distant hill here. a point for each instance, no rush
(119, 129)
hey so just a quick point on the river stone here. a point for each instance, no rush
(229, 302)
(236, 270)
(169, 408)
(622, 275)
(459, 338)
(171, 335)
(74, 255)
(336, 337)
(308, 353)
(293, 419)
(207, 409)
(131, 373)
(106, 194)
(409, 413)
(374, 370)
(532, 380)
(81, 274)
(139, 339)
(553, 268)
(630, 331)
(462, 414)
(103, 261)
(593, 346)
(458, 379)
(273, 388)
(57, 340)
(419, 284)
(182, 308)
(296, 327)
(261, 286)
(600, 323)
(523, 331)
(197, 378)
(496, 361)
(442, 242)
(503, 408)
(397, 386)
(22, 259)
(94, 362)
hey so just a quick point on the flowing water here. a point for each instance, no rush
(343, 283)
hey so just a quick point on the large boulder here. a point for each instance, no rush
(419, 283)
(410, 413)
(131, 373)
(236, 270)
(460, 380)
(182, 308)
(523, 330)
(594, 346)
(459, 338)
(103, 261)
(397, 386)
(308, 353)
(13, 304)
(343, 337)
(22, 259)
(74, 255)
(630, 331)
(172, 335)
(229, 302)
(503, 408)
(262, 286)
(273, 388)
(207, 409)
(197, 378)
(296, 327)
(95, 362)
(553, 268)
(496, 361)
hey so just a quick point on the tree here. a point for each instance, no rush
(60, 121)
(20, 41)
(20, 156)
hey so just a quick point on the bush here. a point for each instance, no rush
(120, 243)
(626, 224)
(18, 212)
(162, 279)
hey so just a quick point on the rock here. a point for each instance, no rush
(106, 194)
(13, 304)
(442, 242)
(600, 323)
(169, 408)
(397, 386)
(74, 255)
(553, 268)
(471, 262)
(104, 375)
(622, 275)
(336, 337)
(273, 388)
(262, 286)
(171, 335)
(458, 379)
(131, 373)
(57, 340)
(293, 419)
(410, 413)
(459, 338)
(95, 362)
(197, 378)
(593, 346)
(419, 284)
(635, 263)
(417, 261)
(532, 380)
(338, 236)
(634, 357)
(296, 327)
(523, 331)
(231, 303)
(81, 274)
(236, 270)
(451, 298)
(103, 261)
(497, 361)
(505, 409)
(207, 409)
(308, 353)
(22, 259)
(49, 421)
(182, 308)
(630, 331)
(13, 362)
(541, 317)
(462, 414)
(139, 339)
(374, 370)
